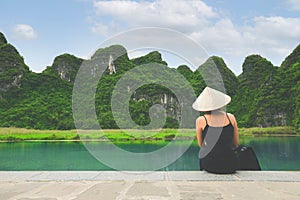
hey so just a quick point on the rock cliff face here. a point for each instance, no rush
(12, 66)
(157, 94)
(65, 66)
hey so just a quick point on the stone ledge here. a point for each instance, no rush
(274, 176)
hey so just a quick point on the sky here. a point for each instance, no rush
(231, 29)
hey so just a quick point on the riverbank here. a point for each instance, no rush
(21, 134)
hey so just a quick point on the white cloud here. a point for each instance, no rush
(179, 15)
(221, 35)
(24, 31)
(105, 29)
(294, 4)
(274, 29)
(272, 37)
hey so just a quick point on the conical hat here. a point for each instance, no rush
(211, 99)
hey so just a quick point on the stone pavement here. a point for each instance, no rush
(82, 185)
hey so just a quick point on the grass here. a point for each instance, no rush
(21, 134)
(270, 131)
(11, 134)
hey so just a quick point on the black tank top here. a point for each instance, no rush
(216, 154)
(226, 134)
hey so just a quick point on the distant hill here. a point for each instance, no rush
(262, 95)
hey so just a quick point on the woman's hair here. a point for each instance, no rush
(212, 111)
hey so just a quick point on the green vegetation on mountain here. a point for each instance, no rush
(251, 106)
(217, 75)
(152, 57)
(262, 95)
(66, 66)
(42, 102)
(2, 39)
(12, 66)
(292, 59)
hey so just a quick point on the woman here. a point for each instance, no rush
(217, 133)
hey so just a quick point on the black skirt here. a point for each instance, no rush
(220, 164)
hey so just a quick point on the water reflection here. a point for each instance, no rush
(277, 153)
(274, 153)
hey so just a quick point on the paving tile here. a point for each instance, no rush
(125, 175)
(147, 189)
(12, 189)
(103, 190)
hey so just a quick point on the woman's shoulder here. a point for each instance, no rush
(230, 114)
(201, 120)
(231, 117)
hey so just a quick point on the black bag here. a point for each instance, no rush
(247, 159)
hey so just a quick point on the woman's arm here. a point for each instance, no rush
(199, 131)
(235, 130)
